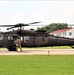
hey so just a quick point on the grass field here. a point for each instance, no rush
(38, 48)
(37, 65)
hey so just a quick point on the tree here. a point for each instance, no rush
(54, 26)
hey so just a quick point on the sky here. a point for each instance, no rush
(27, 11)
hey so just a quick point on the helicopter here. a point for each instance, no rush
(31, 38)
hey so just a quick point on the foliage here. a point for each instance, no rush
(37, 65)
(54, 26)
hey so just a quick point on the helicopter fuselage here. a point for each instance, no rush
(31, 38)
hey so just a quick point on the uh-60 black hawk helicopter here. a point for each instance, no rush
(31, 38)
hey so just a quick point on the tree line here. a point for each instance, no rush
(54, 26)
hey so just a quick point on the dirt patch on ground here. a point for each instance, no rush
(39, 52)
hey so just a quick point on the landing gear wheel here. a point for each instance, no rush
(72, 46)
(12, 48)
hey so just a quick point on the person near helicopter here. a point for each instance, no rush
(18, 44)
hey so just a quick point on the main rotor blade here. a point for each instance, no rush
(6, 25)
(18, 25)
(38, 25)
(10, 28)
(33, 23)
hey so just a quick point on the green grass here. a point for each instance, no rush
(50, 47)
(37, 65)
(55, 47)
(39, 48)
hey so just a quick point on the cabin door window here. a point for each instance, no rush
(1, 37)
(10, 38)
(26, 38)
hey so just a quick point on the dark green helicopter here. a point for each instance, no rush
(31, 38)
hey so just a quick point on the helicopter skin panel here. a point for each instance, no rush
(60, 41)
(33, 41)
(36, 41)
